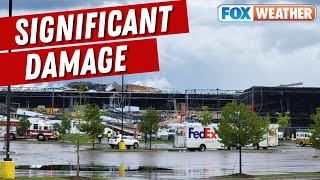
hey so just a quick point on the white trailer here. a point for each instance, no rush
(194, 136)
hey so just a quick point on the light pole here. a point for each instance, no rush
(187, 102)
(122, 145)
(122, 79)
(217, 103)
(52, 103)
(8, 125)
(8, 106)
(239, 144)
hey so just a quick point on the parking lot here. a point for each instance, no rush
(287, 158)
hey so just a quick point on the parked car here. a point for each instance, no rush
(128, 140)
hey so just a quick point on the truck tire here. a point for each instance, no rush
(202, 148)
(41, 137)
(135, 145)
(301, 143)
(12, 136)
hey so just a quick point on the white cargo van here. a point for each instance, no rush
(194, 136)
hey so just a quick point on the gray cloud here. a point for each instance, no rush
(288, 39)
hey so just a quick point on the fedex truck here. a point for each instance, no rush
(194, 136)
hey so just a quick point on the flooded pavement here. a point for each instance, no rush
(288, 158)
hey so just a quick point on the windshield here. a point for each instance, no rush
(115, 137)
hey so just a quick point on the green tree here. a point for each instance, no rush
(263, 122)
(205, 116)
(24, 124)
(92, 123)
(240, 127)
(57, 127)
(65, 125)
(65, 122)
(150, 123)
(78, 140)
(315, 137)
(283, 120)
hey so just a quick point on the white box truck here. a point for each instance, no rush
(270, 138)
(194, 136)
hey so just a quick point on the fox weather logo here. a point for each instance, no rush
(266, 13)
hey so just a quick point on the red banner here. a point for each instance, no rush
(91, 25)
(77, 62)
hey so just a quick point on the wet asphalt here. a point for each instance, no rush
(287, 158)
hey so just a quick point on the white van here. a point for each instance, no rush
(194, 136)
(303, 136)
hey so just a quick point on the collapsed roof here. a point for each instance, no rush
(110, 87)
(3, 109)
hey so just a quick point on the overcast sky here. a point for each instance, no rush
(216, 54)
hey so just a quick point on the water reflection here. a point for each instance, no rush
(122, 170)
(138, 172)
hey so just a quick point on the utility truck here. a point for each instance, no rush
(194, 136)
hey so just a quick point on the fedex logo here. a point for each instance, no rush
(181, 133)
(205, 134)
(266, 12)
